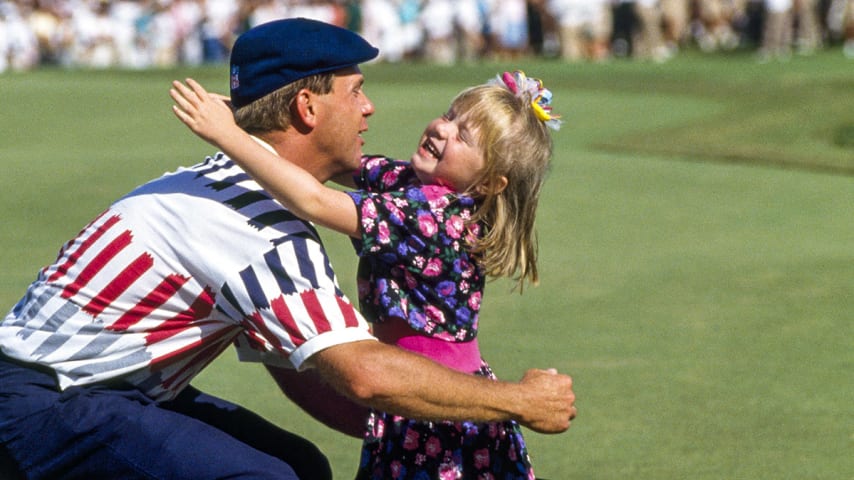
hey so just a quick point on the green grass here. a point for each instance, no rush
(697, 249)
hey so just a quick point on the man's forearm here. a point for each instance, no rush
(403, 383)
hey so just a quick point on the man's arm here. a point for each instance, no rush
(317, 398)
(393, 380)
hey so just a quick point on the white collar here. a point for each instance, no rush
(265, 145)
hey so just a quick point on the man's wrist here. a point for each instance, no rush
(510, 403)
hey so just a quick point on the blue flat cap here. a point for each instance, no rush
(274, 54)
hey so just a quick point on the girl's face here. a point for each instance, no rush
(449, 153)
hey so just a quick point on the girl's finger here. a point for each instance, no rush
(181, 115)
(222, 98)
(189, 95)
(197, 89)
(181, 100)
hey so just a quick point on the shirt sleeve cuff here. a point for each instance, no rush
(306, 350)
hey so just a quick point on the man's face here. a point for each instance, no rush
(343, 118)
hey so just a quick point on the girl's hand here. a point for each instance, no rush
(208, 115)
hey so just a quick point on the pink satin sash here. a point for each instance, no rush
(460, 356)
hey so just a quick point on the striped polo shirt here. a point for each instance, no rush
(162, 282)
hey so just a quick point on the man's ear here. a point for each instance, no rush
(493, 187)
(305, 108)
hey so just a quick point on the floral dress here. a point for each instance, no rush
(415, 266)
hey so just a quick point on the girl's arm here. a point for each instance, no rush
(209, 117)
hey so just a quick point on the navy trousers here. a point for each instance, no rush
(102, 432)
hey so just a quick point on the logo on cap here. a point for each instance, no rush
(235, 81)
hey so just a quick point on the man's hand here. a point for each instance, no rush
(550, 407)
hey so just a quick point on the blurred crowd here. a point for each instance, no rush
(163, 33)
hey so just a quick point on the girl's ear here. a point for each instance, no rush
(493, 186)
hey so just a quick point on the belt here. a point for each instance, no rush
(460, 356)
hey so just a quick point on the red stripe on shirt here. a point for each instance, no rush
(348, 312)
(155, 298)
(286, 319)
(315, 311)
(214, 344)
(119, 284)
(97, 263)
(84, 246)
(173, 356)
(200, 308)
(257, 323)
(254, 339)
(71, 243)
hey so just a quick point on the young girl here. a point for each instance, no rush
(428, 232)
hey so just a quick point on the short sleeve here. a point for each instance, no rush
(290, 305)
(382, 174)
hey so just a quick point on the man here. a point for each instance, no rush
(98, 356)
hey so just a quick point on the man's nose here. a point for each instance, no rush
(367, 107)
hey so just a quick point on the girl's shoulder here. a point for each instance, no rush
(381, 173)
(381, 162)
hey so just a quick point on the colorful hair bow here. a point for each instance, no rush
(541, 97)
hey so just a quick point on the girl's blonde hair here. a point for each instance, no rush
(517, 146)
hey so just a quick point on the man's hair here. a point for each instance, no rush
(273, 111)
(516, 145)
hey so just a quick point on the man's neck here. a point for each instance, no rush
(298, 150)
